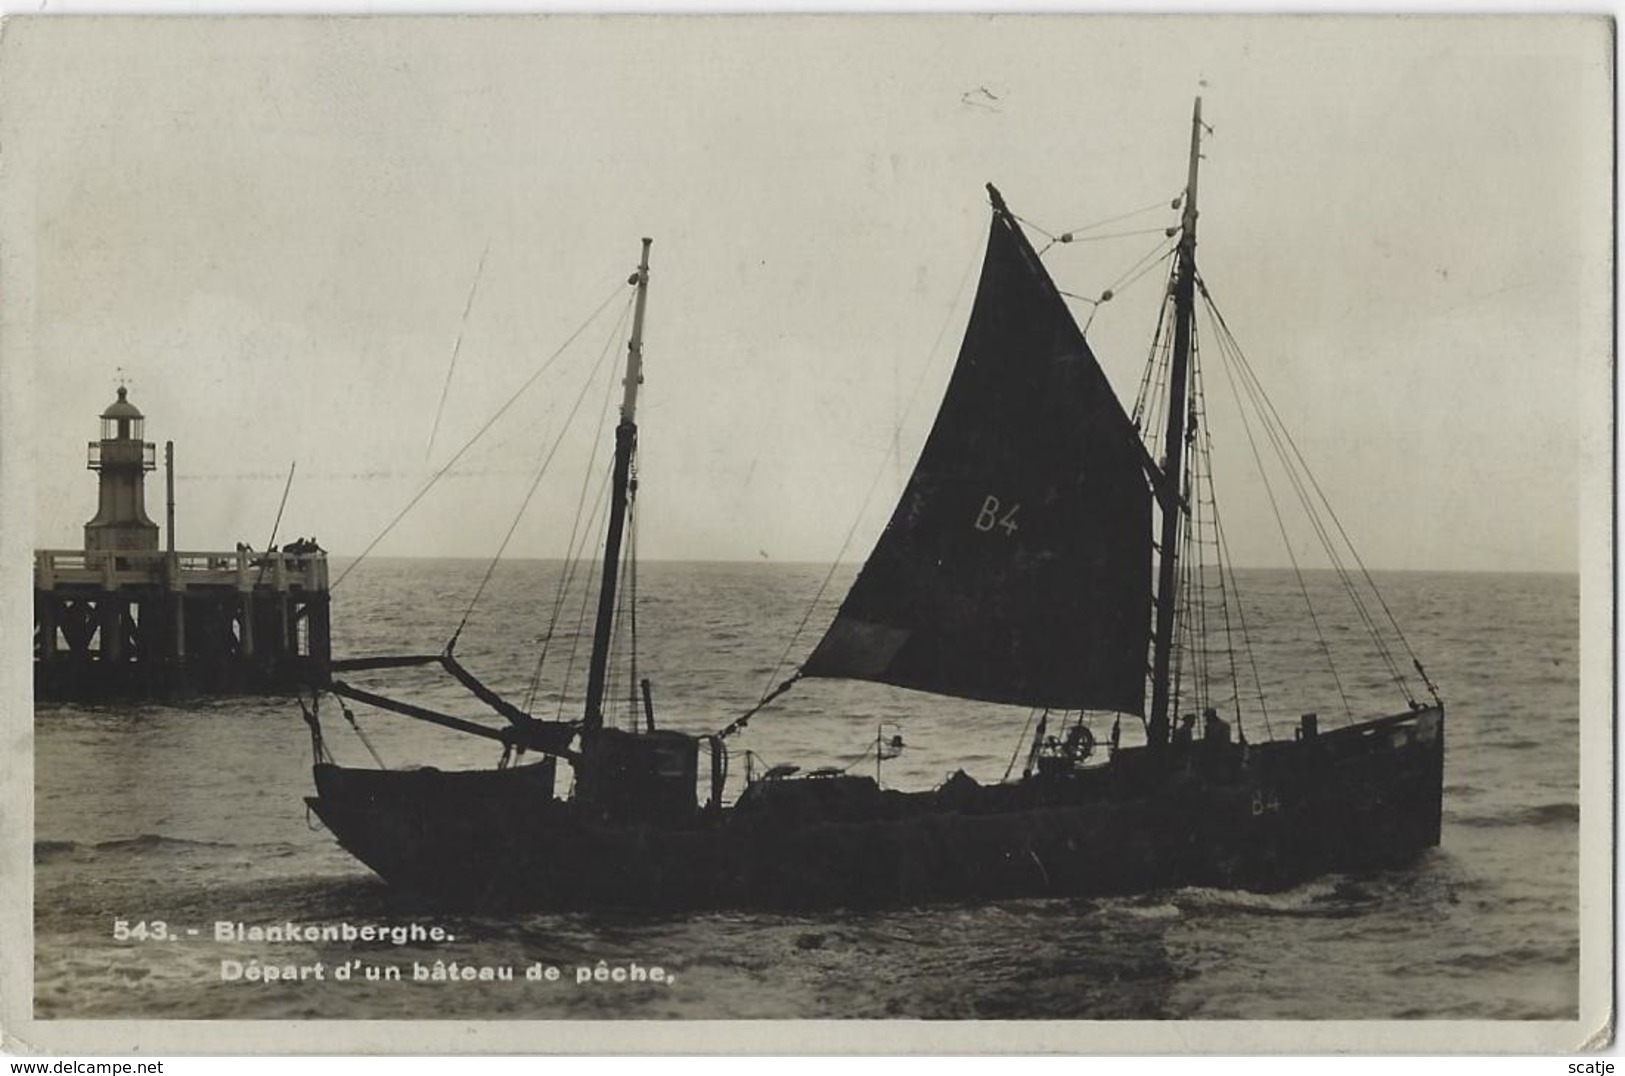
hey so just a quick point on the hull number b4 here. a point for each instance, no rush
(993, 514)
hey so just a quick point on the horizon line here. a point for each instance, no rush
(859, 563)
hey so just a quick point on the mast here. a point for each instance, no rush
(626, 438)
(1174, 445)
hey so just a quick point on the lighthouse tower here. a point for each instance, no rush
(122, 459)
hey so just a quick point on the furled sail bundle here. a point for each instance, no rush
(1017, 565)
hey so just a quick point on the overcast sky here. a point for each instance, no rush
(271, 228)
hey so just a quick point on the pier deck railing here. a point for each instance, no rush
(237, 569)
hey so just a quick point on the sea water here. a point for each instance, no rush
(193, 816)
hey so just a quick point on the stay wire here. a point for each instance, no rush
(1133, 275)
(1279, 437)
(1286, 539)
(1325, 501)
(1228, 584)
(1157, 357)
(1241, 615)
(456, 347)
(602, 519)
(1020, 743)
(1122, 216)
(618, 624)
(577, 556)
(536, 482)
(771, 692)
(270, 543)
(1073, 235)
(1112, 235)
(1196, 419)
(1144, 265)
(572, 554)
(349, 716)
(632, 603)
(449, 464)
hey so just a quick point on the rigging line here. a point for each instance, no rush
(1280, 524)
(1185, 629)
(536, 482)
(1132, 275)
(349, 715)
(617, 636)
(1272, 432)
(880, 472)
(586, 594)
(1223, 565)
(1228, 564)
(744, 719)
(571, 553)
(871, 750)
(631, 573)
(1276, 430)
(271, 542)
(1214, 583)
(1159, 396)
(456, 347)
(1344, 577)
(318, 744)
(578, 557)
(1021, 742)
(449, 464)
(1047, 235)
(1157, 352)
(1183, 642)
(1195, 417)
(1113, 235)
(1144, 265)
(1122, 216)
(1037, 745)
(575, 555)
(1190, 567)
(1325, 501)
(1230, 589)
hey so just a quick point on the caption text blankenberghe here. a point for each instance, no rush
(270, 970)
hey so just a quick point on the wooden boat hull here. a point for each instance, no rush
(1260, 817)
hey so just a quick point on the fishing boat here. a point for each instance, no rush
(1042, 555)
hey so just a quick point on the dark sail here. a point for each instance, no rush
(1017, 565)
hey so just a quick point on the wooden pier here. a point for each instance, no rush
(123, 618)
(126, 623)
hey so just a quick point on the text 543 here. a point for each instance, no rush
(141, 930)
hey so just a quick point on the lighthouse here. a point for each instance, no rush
(122, 459)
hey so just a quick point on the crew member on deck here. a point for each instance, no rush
(1187, 726)
(1215, 729)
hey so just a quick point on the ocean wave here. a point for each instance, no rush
(151, 841)
(1316, 900)
(1545, 814)
(1164, 910)
(1484, 960)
